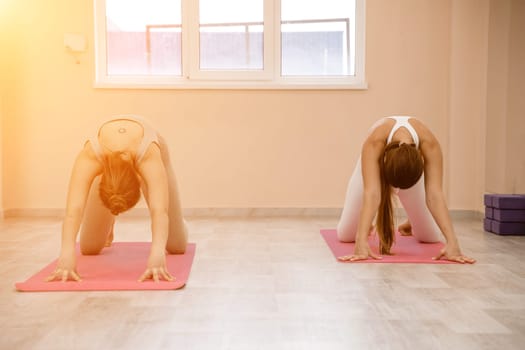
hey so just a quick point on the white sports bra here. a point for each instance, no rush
(150, 136)
(402, 121)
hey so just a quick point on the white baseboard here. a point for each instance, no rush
(229, 212)
(195, 212)
(454, 213)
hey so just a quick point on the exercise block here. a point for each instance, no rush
(508, 215)
(487, 200)
(487, 225)
(505, 201)
(507, 228)
(489, 212)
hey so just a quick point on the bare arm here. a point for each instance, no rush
(435, 198)
(153, 173)
(370, 154)
(372, 187)
(85, 169)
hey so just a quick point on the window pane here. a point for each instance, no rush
(143, 37)
(317, 37)
(231, 34)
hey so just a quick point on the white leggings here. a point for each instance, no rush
(424, 228)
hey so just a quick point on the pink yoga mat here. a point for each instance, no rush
(406, 249)
(116, 268)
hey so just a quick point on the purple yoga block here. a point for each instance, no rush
(489, 212)
(508, 201)
(487, 199)
(508, 228)
(487, 225)
(509, 215)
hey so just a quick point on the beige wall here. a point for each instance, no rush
(243, 149)
(1, 148)
(505, 138)
(516, 99)
(467, 102)
(4, 47)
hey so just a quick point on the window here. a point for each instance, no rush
(230, 43)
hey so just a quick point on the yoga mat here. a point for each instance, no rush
(406, 249)
(116, 268)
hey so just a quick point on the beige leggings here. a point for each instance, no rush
(424, 228)
(98, 221)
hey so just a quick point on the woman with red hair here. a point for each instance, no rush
(124, 157)
(400, 155)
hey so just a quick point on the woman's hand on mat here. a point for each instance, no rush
(361, 252)
(66, 269)
(453, 253)
(156, 269)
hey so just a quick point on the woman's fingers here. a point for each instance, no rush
(51, 277)
(352, 257)
(469, 260)
(440, 255)
(145, 275)
(63, 275)
(462, 259)
(156, 274)
(76, 276)
(148, 274)
(375, 256)
(167, 276)
(358, 257)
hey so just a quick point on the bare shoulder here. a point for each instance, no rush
(428, 143)
(85, 169)
(425, 134)
(380, 130)
(151, 163)
(152, 154)
(377, 136)
(86, 160)
(151, 169)
(87, 151)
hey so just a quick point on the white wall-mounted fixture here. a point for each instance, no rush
(75, 42)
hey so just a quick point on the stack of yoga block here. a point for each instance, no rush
(505, 214)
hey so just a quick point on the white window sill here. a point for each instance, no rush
(234, 85)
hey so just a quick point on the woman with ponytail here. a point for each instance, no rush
(124, 158)
(399, 156)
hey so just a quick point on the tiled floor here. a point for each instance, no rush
(271, 283)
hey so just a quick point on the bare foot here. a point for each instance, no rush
(109, 239)
(405, 229)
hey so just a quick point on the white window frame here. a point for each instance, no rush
(194, 78)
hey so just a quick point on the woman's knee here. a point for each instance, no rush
(90, 249)
(345, 234)
(177, 248)
(178, 243)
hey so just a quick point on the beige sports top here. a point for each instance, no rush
(150, 136)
